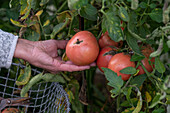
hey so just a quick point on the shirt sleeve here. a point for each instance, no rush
(8, 43)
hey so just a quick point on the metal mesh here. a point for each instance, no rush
(46, 97)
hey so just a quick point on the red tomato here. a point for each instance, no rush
(121, 22)
(11, 110)
(103, 61)
(119, 62)
(82, 48)
(146, 50)
(105, 40)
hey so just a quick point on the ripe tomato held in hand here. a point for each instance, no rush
(119, 62)
(11, 110)
(103, 60)
(105, 41)
(82, 48)
(146, 51)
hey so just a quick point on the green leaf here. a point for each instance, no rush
(85, 15)
(138, 107)
(136, 57)
(168, 43)
(14, 3)
(159, 66)
(153, 5)
(58, 28)
(90, 10)
(165, 46)
(155, 100)
(132, 42)
(133, 22)
(114, 80)
(143, 5)
(16, 23)
(128, 110)
(43, 2)
(36, 79)
(159, 110)
(76, 4)
(128, 70)
(33, 36)
(156, 15)
(25, 8)
(70, 95)
(166, 13)
(127, 104)
(61, 17)
(24, 76)
(32, 82)
(160, 1)
(111, 23)
(168, 97)
(132, 27)
(128, 94)
(134, 4)
(114, 91)
(138, 80)
(47, 77)
(123, 14)
(159, 50)
(46, 23)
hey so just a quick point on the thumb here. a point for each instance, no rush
(61, 44)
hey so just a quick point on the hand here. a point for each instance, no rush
(44, 54)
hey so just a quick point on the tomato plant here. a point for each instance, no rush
(82, 48)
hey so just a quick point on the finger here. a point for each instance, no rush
(93, 64)
(69, 62)
(71, 68)
(61, 44)
(58, 58)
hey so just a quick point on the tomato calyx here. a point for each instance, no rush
(78, 41)
(112, 52)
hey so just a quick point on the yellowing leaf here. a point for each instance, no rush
(70, 95)
(17, 23)
(64, 57)
(138, 108)
(61, 17)
(24, 76)
(39, 13)
(22, 12)
(148, 96)
(25, 8)
(47, 22)
(137, 71)
(36, 26)
(26, 95)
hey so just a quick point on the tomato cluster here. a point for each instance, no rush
(84, 49)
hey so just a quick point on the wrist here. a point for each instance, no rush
(23, 49)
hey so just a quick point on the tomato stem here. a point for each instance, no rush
(78, 41)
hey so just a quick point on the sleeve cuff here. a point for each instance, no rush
(12, 50)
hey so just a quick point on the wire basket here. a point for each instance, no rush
(46, 97)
